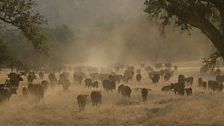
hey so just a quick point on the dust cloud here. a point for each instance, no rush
(119, 31)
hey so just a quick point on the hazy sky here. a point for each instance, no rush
(120, 30)
(89, 12)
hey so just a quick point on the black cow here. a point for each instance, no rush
(13, 82)
(5, 92)
(81, 99)
(88, 82)
(144, 94)
(109, 85)
(178, 88)
(155, 78)
(213, 85)
(204, 85)
(31, 76)
(188, 91)
(125, 91)
(200, 81)
(45, 84)
(37, 90)
(138, 77)
(181, 84)
(96, 98)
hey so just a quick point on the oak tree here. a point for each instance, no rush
(206, 15)
(21, 14)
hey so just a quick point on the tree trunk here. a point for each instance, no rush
(208, 29)
(214, 35)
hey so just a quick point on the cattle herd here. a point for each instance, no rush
(113, 79)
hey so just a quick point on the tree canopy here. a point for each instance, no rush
(22, 15)
(206, 15)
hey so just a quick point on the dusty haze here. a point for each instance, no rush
(119, 31)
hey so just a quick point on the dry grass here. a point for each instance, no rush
(162, 109)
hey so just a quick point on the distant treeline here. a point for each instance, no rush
(17, 51)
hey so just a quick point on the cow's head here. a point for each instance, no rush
(19, 78)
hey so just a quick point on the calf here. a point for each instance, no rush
(204, 85)
(144, 94)
(138, 77)
(88, 82)
(95, 84)
(188, 91)
(81, 99)
(200, 81)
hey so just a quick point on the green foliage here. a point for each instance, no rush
(181, 12)
(3, 56)
(23, 54)
(21, 15)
